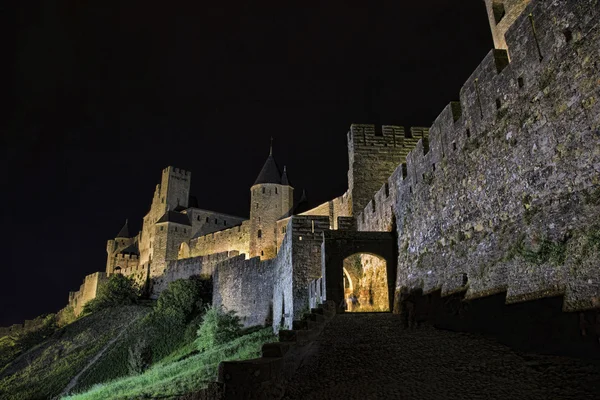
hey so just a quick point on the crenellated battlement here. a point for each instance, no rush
(506, 140)
(173, 171)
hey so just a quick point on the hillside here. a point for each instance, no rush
(46, 369)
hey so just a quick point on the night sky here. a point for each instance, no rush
(103, 95)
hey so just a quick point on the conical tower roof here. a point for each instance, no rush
(284, 178)
(270, 171)
(124, 232)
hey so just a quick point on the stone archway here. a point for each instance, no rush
(339, 245)
(369, 289)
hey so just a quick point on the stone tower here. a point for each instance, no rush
(122, 251)
(374, 152)
(502, 14)
(172, 194)
(272, 198)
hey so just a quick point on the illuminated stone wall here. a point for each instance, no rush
(338, 207)
(502, 14)
(504, 197)
(205, 222)
(232, 239)
(374, 153)
(87, 291)
(246, 287)
(186, 268)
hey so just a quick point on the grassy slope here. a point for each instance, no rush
(43, 371)
(184, 371)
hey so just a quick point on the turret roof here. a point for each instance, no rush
(132, 249)
(175, 217)
(269, 172)
(124, 232)
(284, 177)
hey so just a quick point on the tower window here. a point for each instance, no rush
(498, 104)
(387, 190)
(454, 146)
(520, 82)
(468, 133)
(224, 222)
(216, 222)
(264, 190)
(275, 190)
(207, 220)
(198, 218)
(175, 229)
(259, 233)
(262, 253)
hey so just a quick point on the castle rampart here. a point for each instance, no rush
(503, 195)
(233, 239)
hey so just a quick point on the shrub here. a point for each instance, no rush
(118, 290)
(180, 300)
(140, 357)
(217, 327)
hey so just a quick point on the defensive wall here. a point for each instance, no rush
(504, 195)
(233, 239)
(28, 326)
(87, 291)
(188, 267)
(273, 290)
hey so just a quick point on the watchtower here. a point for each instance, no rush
(374, 152)
(272, 198)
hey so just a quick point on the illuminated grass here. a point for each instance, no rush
(183, 372)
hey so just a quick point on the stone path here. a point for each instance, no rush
(369, 356)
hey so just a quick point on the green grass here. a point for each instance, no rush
(45, 370)
(184, 371)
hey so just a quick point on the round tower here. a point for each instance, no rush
(272, 198)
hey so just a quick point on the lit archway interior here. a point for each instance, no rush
(365, 283)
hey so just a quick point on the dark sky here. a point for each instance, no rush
(104, 94)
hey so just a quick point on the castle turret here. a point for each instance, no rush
(502, 14)
(272, 198)
(122, 244)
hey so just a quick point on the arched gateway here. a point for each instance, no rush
(338, 245)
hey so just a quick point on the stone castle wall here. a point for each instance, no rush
(505, 196)
(87, 291)
(275, 289)
(188, 267)
(246, 287)
(232, 239)
(205, 222)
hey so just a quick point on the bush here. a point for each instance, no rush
(218, 327)
(117, 291)
(180, 300)
(140, 357)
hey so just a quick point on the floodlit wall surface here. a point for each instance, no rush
(505, 195)
(86, 292)
(188, 267)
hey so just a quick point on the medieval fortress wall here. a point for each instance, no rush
(504, 195)
(501, 194)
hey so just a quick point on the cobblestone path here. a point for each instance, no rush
(370, 356)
